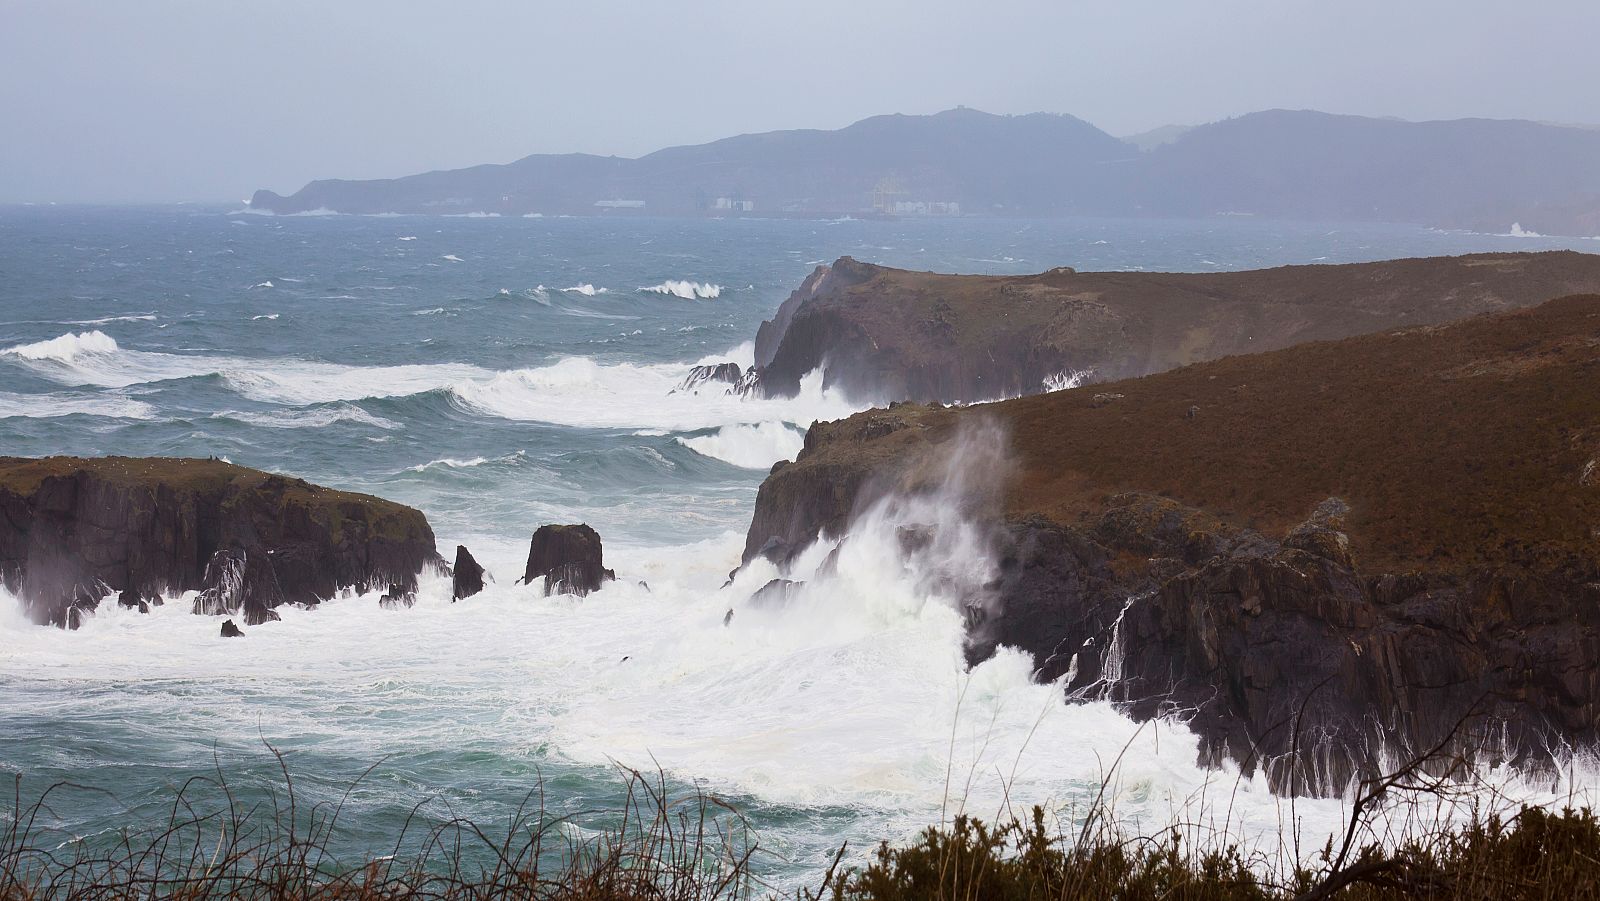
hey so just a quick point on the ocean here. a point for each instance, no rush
(504, 373)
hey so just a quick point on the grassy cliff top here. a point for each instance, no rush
(1475, 442)
(23, 475)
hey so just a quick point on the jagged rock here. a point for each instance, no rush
(397, 598)
(240, 583)
(569, 558)
(73, 531)
(130, 599)
(466, 576)
(703, 377)
(229, 630)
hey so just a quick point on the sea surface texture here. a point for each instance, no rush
(504, 373)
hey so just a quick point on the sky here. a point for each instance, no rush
(130, 101)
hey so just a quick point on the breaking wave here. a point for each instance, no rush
(686, 290)
(65, 349)
(49, 406)
(755, 446)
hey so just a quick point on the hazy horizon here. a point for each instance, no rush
(188, 101)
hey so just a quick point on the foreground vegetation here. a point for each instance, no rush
(697, 848)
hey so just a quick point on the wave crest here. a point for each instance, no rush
(685, 289)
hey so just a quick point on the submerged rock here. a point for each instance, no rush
(706, 376)
(75, 530)
(569, 558)
(466, 576)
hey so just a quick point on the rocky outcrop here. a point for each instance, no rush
(1323, 559)
(569, 559)
(882, 334)
(231, 630)
(74, 531)
(466, 576)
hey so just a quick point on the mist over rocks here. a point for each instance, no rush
(74, 530)
(881, 334)
(1355, 551)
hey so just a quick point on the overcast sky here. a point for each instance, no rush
(161, 100)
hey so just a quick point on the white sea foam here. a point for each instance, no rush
(750, 446)
(587, 290)
(448, 463)
(48, 406)
(130, 317)
(1067, 380)
(316, 213)
(452, 258)
(478, 214)
(66, 348)
(407, 238)
(578, 391)
(266, 284)
(685, 289)
(313, 418)
(266, 316)
(1517, 231)
(853, 694)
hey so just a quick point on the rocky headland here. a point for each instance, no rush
(1324, 559)
(74, 531)
(883, 335)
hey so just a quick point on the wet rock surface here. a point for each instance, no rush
(75, 530)
(569, 558)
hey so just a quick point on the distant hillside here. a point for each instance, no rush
(1471, 173)
(1030, 165)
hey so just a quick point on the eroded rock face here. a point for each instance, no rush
(73, 531)
(467, 576)
(1287, 656)
(1356, 552)
(569, 559)
(883, 334)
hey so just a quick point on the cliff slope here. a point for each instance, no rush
(1320, 557)
(74, 530)
(886, 334)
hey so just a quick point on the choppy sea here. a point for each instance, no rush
(503, 373)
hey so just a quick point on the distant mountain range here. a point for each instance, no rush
(1480, 174)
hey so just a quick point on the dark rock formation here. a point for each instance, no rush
(884, 334)
(568, 558)
(1358, 548)
(229, 630)
(702, 378)
(73, 531)
(467, 575)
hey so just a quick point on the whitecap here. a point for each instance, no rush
(452, 258)
(268, 316)
(266, 284)
(687, 290)
(407, 238)
(587, 290)
(307, 418)
(49, 406)
(749, 446)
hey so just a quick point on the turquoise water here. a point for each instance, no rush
(498, 374)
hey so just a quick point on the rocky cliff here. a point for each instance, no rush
(884, 334)
(74, 531)
(1322, 558)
